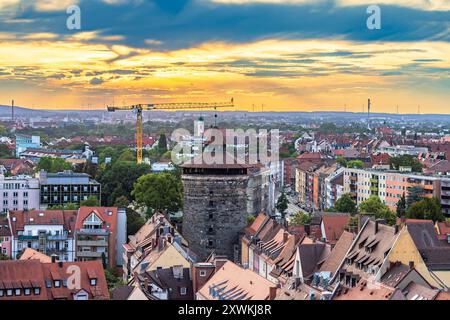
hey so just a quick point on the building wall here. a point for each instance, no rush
(5, 245)
(66, 251)
(18, 194)
(404, 250)
(169, 258)
(121, 233)
(215, 212)
(244, 253)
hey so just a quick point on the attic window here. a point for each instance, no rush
(93, 282)
(183, 291)
(202, 273)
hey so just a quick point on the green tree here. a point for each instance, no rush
(134, 220)
(345, 204)
(92, 201)
(374, 205)
(282, 204)
(406, 160)
(427, 209)
(341, 161)
(159, 192)
(67, 206)
(250, 219)
(53, 165)
(118, 180)
(415, 194)
(5, 152)
(162, 143)
(355, 164)
(401, 206)
(300, 219)
(113, 279)
(3, 257)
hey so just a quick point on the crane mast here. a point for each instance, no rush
(139, 108)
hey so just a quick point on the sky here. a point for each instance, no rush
(271, 55)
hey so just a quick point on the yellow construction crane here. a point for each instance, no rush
(138, 108)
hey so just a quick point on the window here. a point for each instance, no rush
(15, 194)
(37, 291)
(27, 291)
(183, 291)
(48, 283)
(2, 293)
(93, 282)
(202, 273)
(9, 292)
(25, 194)
(17, 292)
(64, 283)
(57, 283)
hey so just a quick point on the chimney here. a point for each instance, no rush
(60, 264)
(396, 229)
(411, 264)
(285, 236)
(376, 226)
(53, 258)
(146, 284)
(272, 293)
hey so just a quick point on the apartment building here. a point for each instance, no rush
(389, 186)
(18, 193)
(100, 233)
(66, 187)
(23, 142)
(47, 231)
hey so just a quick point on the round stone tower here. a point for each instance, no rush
(215, 207)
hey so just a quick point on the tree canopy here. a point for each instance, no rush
(92, 201)
(282, 204)
(159, 192)
(300, 219)
(345, 204)
(406, 160)
(427, 209)
(374, 205)
(53, 165)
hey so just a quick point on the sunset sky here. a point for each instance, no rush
(290, 55)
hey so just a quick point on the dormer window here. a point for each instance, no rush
(27, 291)
(57, 283)
(93, 282)
(17, 292)
(92, 222)
(37, 291)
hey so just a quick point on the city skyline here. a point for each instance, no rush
(284, 55)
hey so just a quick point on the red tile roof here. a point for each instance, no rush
(22, 274)
(334, 226)
(88, 270)
(19, 219)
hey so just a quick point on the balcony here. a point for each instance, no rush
(93, 232)
(59, 237)
(90, 254)
(27, 238)
(92, 243)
